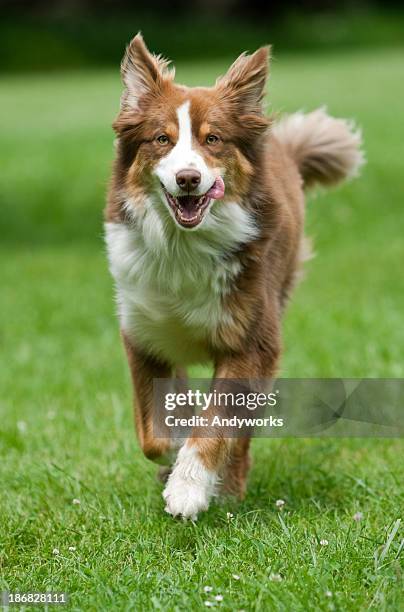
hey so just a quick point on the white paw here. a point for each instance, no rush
(190, 486)
(184, 498)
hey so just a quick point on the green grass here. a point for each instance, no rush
(66, 424)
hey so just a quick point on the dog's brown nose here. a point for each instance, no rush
(188, 179)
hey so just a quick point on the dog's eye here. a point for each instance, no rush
(212, 139)
(163, 139)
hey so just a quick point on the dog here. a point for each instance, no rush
(204, 230)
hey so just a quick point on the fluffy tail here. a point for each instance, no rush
(326, 150)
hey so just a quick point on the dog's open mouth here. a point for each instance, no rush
(189, 209)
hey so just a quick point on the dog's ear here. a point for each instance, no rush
(244, 83)
(142, 72)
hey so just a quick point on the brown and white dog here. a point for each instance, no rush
(204, 231)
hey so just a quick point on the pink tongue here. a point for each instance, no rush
(217, 189)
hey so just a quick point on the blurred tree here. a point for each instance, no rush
(65, 8)
(54, 34)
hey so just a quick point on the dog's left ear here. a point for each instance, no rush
(142, 72)
(244, 83)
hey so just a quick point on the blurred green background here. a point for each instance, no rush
(60, 92)
(66, 423)
(45, 34)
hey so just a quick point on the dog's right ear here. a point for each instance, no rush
(142, 72)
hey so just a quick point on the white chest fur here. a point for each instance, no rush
(171, 282)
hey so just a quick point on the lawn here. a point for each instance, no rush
(65, 406)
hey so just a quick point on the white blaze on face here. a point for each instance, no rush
(182, 157)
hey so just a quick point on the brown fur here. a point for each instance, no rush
(265, 171)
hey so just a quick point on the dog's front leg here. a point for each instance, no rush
(143, 370)
(201, 460)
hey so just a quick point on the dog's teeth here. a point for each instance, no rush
(199, 205)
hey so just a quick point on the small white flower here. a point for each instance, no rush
(72, 548)
(208, 604)
(328, 594)
(280, 503)
(21, 426)
(208, 589)
(323, 542)
(55, 551)
(229, 516)
(275, 578)
(236, 577)
(358, 516)
(219, 597)
(76, 502)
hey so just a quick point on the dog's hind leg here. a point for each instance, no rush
(234, 477)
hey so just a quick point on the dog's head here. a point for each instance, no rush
(190, 147)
